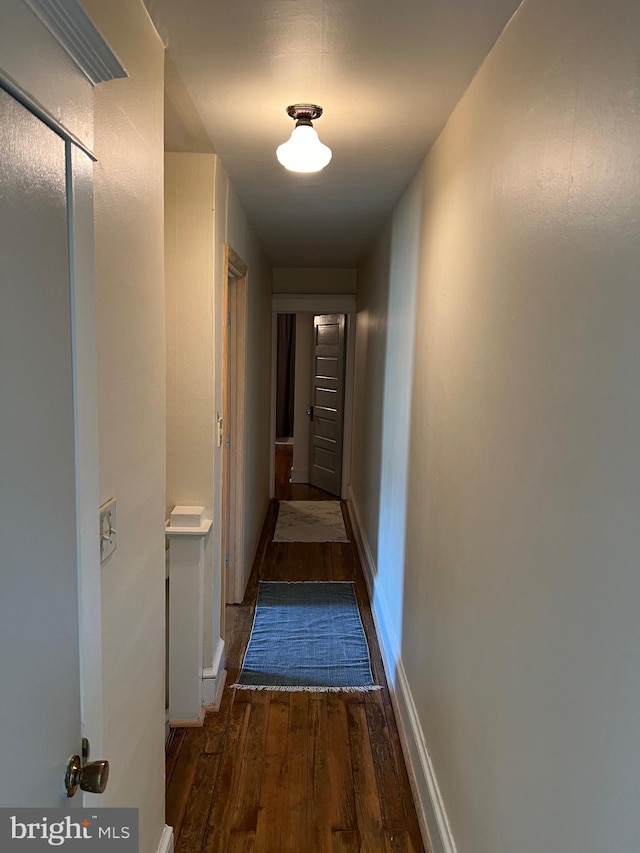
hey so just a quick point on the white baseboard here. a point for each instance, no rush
(212, 677)
(217, 699)
(299, 475)
(166, 840)
(192, 723)
(432, 815)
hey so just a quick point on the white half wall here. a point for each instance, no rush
(53, 79)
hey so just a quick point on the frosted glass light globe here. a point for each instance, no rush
(303, 151)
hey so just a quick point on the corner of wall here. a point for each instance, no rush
(166, 844)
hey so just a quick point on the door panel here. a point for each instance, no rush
(39, 645)
(328, 331)
(327, 399)
(325, 428)
(326, 368)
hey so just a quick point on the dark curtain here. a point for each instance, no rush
(286, 375)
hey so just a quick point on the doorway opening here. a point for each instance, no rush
(313, 355)
(326, 413)
(285, 398)
(285, 378)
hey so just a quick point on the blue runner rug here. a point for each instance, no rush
(307, 636)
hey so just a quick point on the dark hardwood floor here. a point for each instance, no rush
(275, 772)
(284, 464)
(287, 491)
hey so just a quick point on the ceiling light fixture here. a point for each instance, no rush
(303, 151)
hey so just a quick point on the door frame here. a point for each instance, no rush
(234, 374)
(292, 303)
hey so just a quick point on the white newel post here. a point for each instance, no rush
(187, 531)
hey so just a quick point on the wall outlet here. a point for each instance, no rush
(108, 540)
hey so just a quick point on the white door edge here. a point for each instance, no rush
(85, 372)
(166, 840)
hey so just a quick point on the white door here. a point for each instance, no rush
(39, 627)
(327, 403)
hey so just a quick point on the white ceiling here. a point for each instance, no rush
(386, 74)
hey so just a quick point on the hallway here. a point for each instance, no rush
(293, 772)
(478, 224)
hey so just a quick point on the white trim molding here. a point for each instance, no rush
(34, 106)
(76, 33)
(213, 679)
(432, 816)
(166, 840)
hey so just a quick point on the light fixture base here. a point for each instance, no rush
(306, 112)
(303, 151)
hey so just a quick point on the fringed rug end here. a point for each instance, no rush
(303, 689)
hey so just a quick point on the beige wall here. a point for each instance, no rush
(258, 389)
(313, 280)
(191, 414)
(131, 398)
(189, 247)
(509, 604)
(202, 214)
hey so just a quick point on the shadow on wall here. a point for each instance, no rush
(387, 295)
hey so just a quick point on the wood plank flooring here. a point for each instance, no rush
(275, 772)
(287, 491)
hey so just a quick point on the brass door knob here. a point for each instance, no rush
(91, 776)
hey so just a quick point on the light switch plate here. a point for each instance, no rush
(108, 540)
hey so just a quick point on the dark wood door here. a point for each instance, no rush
(327, 401)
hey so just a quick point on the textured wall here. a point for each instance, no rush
(518, 629)
(53, 80)
(131, 398)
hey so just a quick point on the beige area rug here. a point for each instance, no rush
(310, 521)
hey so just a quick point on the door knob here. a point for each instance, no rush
(91, 776)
